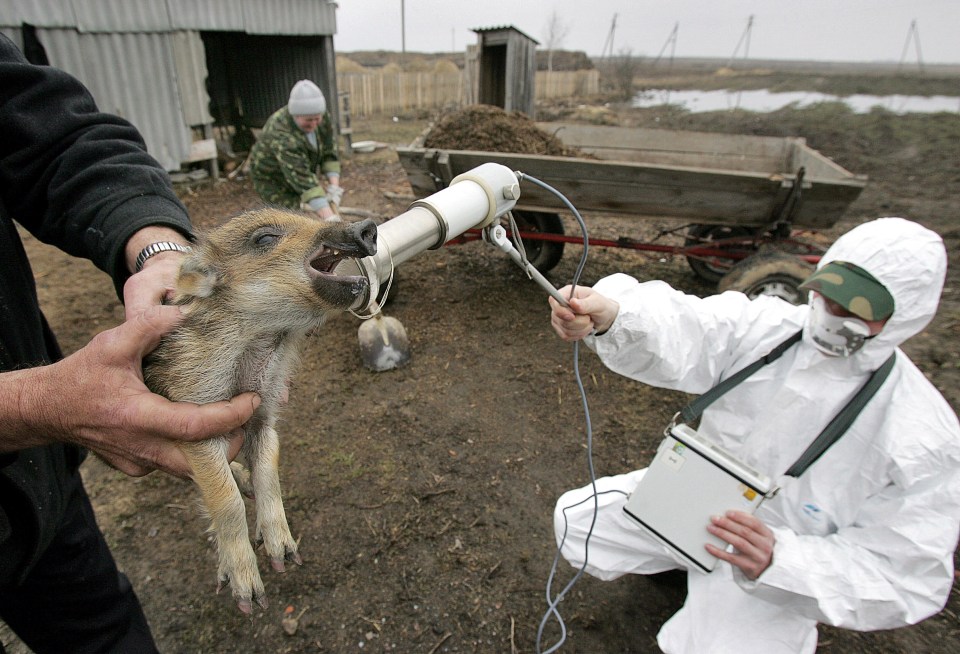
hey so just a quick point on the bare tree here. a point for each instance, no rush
(556, 33)
(625, 69)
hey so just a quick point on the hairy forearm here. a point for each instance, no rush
(22, 410)
(68, 401)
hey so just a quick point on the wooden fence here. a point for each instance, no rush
(391, 93)
(573, 84)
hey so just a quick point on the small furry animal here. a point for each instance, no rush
(252, 290)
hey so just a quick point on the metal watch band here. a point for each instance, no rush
(157, 248)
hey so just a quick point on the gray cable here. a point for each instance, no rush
(553, 602)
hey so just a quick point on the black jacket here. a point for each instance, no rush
(82, 181)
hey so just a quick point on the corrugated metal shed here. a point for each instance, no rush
(313, 17)
(306, 17)
(121, 15)
(148, 60)
(190, 64)
(247, 89)
(40, 13)
(201, 16)
(141, 85)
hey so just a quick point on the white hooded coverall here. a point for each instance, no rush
(865, 537)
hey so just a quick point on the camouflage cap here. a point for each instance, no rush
(853, 288)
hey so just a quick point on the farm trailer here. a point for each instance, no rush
(741, 197)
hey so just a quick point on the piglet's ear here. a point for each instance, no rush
(197, 279)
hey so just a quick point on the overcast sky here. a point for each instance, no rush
(825, 30)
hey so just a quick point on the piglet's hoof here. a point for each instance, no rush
(246, 606)
(278, 564)
(244, 603)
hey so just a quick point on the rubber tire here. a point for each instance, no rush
(769, 273)
(697, 234)
(543, 255)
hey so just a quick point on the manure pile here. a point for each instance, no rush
(491, 129)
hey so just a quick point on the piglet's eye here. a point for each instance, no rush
(266, 239)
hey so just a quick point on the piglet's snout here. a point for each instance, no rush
(364, 236)
(357, 239)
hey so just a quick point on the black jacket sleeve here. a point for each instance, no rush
(80, 180)
(75, 177)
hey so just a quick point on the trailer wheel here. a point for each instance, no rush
(713, 269)
(543, 255)
(768, 273)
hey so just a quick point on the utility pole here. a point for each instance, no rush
(914, 34)
(403, 27)
(608, 44)
(672, 42)
(744, 39)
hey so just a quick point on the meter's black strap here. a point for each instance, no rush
(693, 410)
(830, 433)
(843, 420)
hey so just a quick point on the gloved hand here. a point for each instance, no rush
(334, 194)
(328, 214)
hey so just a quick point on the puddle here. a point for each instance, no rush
(763, 101)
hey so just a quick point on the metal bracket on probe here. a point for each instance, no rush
(497, 235)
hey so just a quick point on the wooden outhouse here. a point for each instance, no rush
(506, 68)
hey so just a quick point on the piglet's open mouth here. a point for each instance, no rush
(332, 283)
(350, 241)
(325, 260)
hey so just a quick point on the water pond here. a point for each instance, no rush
(763, 101)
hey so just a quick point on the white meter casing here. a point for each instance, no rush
(689, 480)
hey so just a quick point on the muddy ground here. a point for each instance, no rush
(422, 497)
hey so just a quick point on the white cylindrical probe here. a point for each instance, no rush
(474, 199)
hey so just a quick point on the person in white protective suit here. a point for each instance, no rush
(864, 538)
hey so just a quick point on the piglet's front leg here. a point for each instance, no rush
(224, 504)
(272, 529)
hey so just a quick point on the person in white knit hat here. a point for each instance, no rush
(295, 163)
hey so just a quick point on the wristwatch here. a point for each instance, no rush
(157, 248)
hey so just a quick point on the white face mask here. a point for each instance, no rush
(835, 336)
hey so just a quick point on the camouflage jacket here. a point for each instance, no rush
(284, 165)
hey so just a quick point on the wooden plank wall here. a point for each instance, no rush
(725, 152)
(373, 94)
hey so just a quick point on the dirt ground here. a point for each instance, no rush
(422, 497)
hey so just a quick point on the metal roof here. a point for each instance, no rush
(120, 16)
(39, 13)
(500, 28)
(303, 17)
